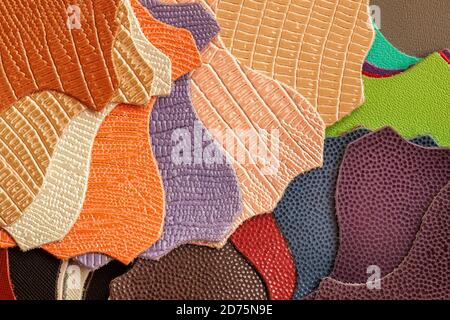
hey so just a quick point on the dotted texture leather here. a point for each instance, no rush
(307, 218)
(98, 284)
(413, 102)
(421, 275)
(315, 46)
(34, 274)
(261, 242)
(191, 273)
(230, 98)
(6, 289)
(392, 182)
(40, 52)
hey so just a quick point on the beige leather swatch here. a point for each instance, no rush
(317, 47)
(71, 281)
(30, 129)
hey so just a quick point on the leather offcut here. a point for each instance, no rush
(191, 273)
(6, 289)
(261, 242)
(52, 45)
(393, 182)
(421, 275)
(371, 70)
(72, 281)
(97, 287)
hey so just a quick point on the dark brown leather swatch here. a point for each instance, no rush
(97, 287)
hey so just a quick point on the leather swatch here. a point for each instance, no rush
(50, 45)
(97, 287)
(191, 273)
(371, 70)
(118, 153)
(421, 275)
(306, 215)
(34, 274)
(412, 102)
(317, 47)
(231, 99)
(72, 279)
(261, 242)
(414, 26)
(393, 182)
(6, 289)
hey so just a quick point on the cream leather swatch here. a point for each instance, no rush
(71, 281)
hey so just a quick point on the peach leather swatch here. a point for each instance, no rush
(43, 49)
(317, 47)
(230, 99)
(6, 289)
(129, 220)
(262, 243)
(421, 275)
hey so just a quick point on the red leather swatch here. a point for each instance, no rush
(6, 289)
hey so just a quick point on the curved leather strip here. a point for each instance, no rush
(191, 273)
(307, 218)
(97, 287)
(393, 181)
(371, 70)
(446, 55)
(60, 283)
(411, 102)
(230, 99)
(6, 289)
(34, 274)
(43, 49)
(261, 242)
(74, 281)
(32, 127)
(317, 47)
(422, 274)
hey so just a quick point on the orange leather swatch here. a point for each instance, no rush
(123, 213)
(64, 46)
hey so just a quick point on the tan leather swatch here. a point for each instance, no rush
(191, 273)
(317, 47)
(31, 128)
(46, 45)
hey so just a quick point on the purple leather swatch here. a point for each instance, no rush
(424, 272)
(202, 200)
(374, 70)
(384, 188)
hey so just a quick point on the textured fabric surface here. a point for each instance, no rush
(414, 26)
(191, 273)
(307, 218)
(393, 182)
(231, 99)
(315, 46)
(261, 242)
(384, 55)
(98, 284)
(34, 274)
(42, 49)
(413, 102)
(422, 274)
(6, 289)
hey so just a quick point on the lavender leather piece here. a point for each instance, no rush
(384, 188)
(374, 70)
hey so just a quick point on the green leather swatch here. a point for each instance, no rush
(384, 55)
(415, 102)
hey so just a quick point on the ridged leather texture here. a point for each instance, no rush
(40, 52)
(393, 182)
(34, 274)
(261, 242)
(191, 273)
(307, 218)
(6, 289)
(421, 275)
(413, 102)
(315, 46)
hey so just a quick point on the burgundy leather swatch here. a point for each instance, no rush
(384, 188)
(191, 273)
(6, 289)
(261, 242)
(424, 272)
(371, 70)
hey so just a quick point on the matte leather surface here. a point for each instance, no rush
(6, 289)
(98, 284)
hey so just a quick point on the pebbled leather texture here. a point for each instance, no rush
(34, 274)
(191, 273)
(421, 275)
(317, 47)
(306, 215)
(412, 102)
(97, 287)
(6, 289)
(230, 98)
(40, 52)
(393, 182)
(261, 242)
